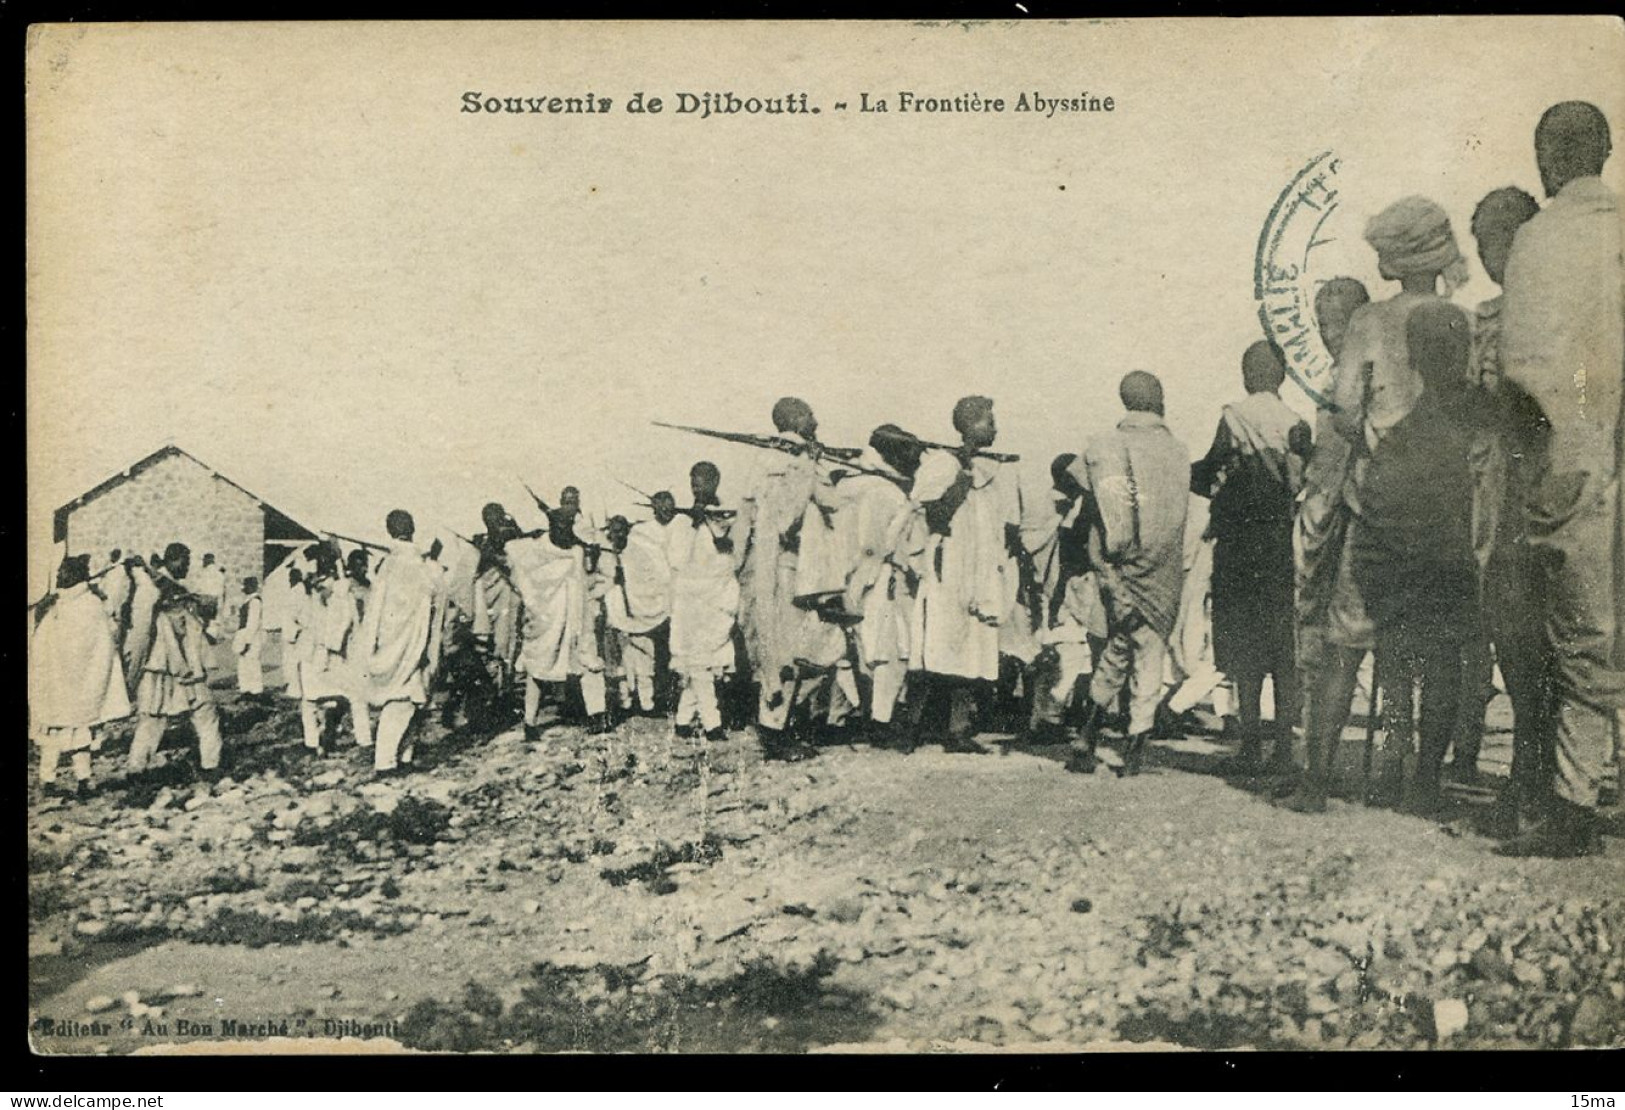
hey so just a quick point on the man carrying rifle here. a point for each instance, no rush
(173, 681)
(1139, 475)
(883, 539)
(767, 546)
(704, 602)
(969, 576)
(557, 641)
(497, 606)
(637, 604)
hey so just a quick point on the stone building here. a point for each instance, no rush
(170, 495)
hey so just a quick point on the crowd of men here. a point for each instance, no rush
(1455, 509)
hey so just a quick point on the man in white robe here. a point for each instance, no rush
(556, 634)
(772, 526)
(116, 585)
(704, 604)
(400, 639)
(881, 537)
(969, 577)
(75, 676)
(327, 618)
(497, 608)
(248, 642)
(637, 605)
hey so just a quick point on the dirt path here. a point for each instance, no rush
(646, 892)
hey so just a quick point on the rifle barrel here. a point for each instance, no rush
(772, 443)
(992, 456)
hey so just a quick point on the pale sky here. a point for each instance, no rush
(284, 248)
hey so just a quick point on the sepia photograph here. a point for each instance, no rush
(1097, 536)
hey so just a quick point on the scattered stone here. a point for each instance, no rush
(530, 905)
(1082, 905)
(1449, 1018)
(100, 1004)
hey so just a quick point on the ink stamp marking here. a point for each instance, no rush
(1284, 281)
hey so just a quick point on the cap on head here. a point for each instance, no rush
(399, 524)
(1571, 141)
(1262, 367)
(1438, 339)
(706, 471)
(358, 562)
(177, 552)
(1412, 237)
(1140, 391)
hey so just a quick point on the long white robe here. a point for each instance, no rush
(873, 524)
(247, 644)
(75, 676)
(705, 598)
(777, 632)
(401, 632)
(321, 651)
(555, 634)
(968, 585)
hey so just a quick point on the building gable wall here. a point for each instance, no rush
(176, 498)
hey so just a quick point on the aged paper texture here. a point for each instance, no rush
(286, 278)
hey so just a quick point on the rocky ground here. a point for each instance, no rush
(649, 893)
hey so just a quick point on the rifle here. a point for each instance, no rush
(772, 443)
(1029, 590)
(52, 593)
(832, 456)
(909, 437)
(536, 497)
(352, 539)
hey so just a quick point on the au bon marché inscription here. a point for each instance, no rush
(711, 105)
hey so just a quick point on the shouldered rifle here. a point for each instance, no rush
(51, 595)
(909, 437)
(772, 443)
(358, 543)
(536, 497)
(830, 456)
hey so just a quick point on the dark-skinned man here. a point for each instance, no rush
(1139, 475)
(968, 573)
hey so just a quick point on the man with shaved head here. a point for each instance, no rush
(1252, 475)
(968, 575)
(1139, 474)
(767, 540)
(400, 639)
(1563, 343)
(497, 606)
(1508, 437)
(172, 680)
